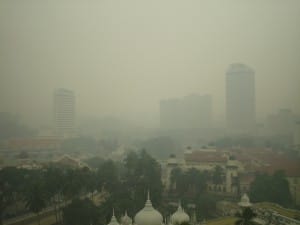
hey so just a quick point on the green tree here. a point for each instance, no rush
(80, 212)
(143, 173)
(206, 205)
(108, 176)
(272, 188)
(218, 175)
(245, 218)
(175, 175)
(73, 183)
(6, 198)
(280, 192)
(12, 181)
(191, 183)
(35, 198)
(54, 181)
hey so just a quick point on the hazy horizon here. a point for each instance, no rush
(122, 57)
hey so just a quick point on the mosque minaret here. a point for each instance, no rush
(126, 220)
(113, 220)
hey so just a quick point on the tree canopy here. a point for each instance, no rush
(272, 188)
(81, 212)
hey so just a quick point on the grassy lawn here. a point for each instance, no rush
(48, 220)
(222, 221)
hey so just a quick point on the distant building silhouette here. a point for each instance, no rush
(64, 112)
(281, 123)
(296, 137)
(240, 98)
(192, 111)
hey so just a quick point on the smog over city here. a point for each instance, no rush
(105, 104)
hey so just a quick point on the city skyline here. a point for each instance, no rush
(122, 58)
(109, 106)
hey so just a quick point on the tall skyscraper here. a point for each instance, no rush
(192, 111)
(240, 98)
(64, 112)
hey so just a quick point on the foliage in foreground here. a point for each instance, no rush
(271, 188)
(81, 212)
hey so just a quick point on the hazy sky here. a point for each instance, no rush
(122, 56)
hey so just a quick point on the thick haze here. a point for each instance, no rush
(121, 57)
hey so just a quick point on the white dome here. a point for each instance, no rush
(179, 216)
(113, 220)
(126, 220)
(245, 201)
(148, 215)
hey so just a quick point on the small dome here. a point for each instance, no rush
(126, 220)
(148, 215)
(113, 220)
(179, 216)
(245, 201)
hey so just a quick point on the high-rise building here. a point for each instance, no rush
(192, 111)
(64, 112)
(240, 98)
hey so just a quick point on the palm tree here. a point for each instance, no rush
(245, 218)
(53, 184)
(35, 199)
(175, 176)
(6, 198)
(218, 175)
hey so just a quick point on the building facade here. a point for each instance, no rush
(64, 112)
(240, 98)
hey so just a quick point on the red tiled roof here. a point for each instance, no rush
(205, 157)
(291, 169)
(247, 179)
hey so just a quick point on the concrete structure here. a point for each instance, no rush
(232, 176)
(240, 98)
(192, 111)
(208, 160)
(64, 112)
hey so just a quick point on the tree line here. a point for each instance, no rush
(66, 189)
